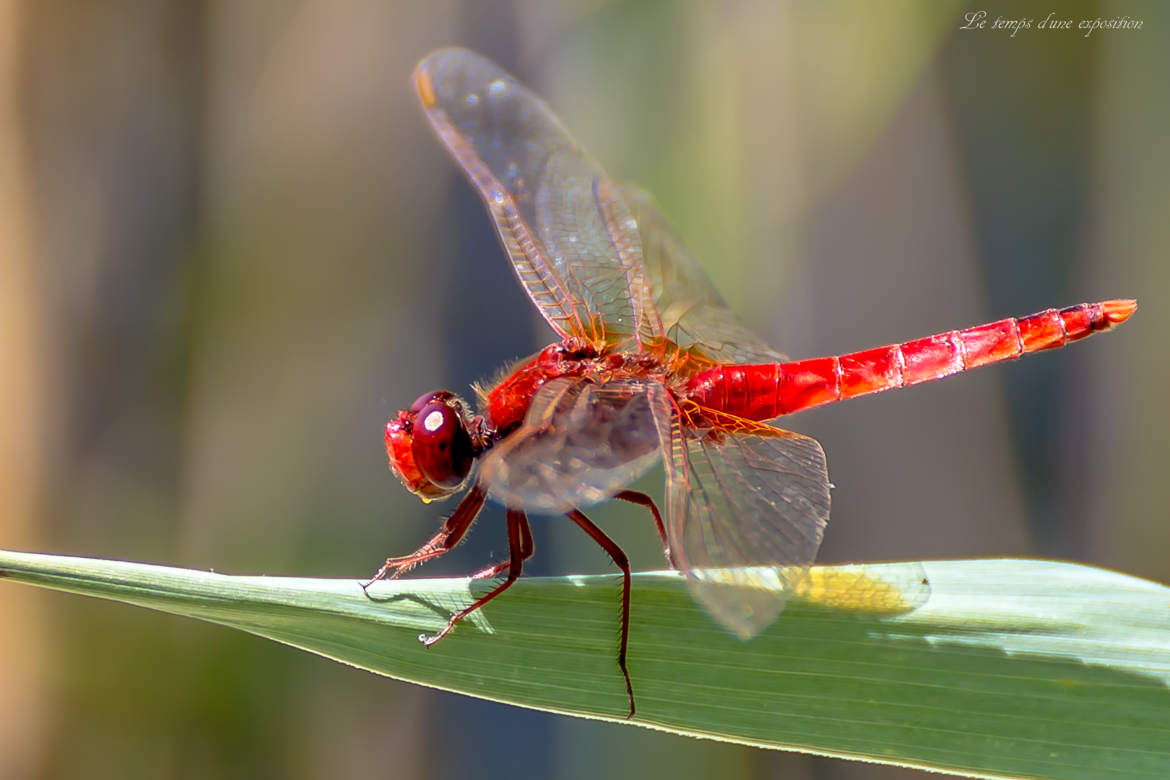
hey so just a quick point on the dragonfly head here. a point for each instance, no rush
(430, 445)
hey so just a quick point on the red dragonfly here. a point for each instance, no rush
(649, 366)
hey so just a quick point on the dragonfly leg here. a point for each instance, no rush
(619, 558)
(518, 532)
(526, 549)
(446, 539)
(641, 499)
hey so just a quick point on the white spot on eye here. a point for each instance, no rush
(497, 196)
(433, 421)
(497, 87)
(472, 99)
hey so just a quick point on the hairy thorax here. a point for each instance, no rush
(506, 404)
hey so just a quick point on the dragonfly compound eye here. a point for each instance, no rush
(441, 444)
(430, 454)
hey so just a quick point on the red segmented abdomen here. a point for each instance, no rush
(764, 391)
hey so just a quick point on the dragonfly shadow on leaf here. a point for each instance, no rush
(443, 604)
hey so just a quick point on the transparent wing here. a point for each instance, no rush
(746, 511)
(693, 314)
(571, 238)
(580, 444)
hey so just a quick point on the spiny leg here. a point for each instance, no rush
(641, 499)
(518, 532)
(623, 563)
(526, 550)
(445, 540)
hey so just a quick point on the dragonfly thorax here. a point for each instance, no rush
(506, 404)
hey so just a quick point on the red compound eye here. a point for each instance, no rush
(441, 444)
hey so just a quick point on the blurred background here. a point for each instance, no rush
(230, 249)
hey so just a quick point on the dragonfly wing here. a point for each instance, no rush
(572, 240)
(745, 516)
(693, 314)
(580, 443)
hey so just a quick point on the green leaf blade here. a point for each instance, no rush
(1009, 668)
